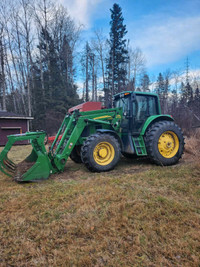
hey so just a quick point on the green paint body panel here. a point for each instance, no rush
(153, 119)
(138, 142)
(74, 130)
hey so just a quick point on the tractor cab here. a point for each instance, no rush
(137, 107)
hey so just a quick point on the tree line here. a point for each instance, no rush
(37, 44)
(40, 62)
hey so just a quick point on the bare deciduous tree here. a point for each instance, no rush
(100, 46)
(2, 67)
(136, 65)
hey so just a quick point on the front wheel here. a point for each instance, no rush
(164, 143)
(100, 152)
(76, 154)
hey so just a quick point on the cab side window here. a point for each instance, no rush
(124, 103)
(144, 106)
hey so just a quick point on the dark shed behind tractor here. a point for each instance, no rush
(11, 123)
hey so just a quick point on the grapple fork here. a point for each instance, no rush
(36, 166)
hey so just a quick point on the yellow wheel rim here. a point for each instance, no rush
(104, 153)
(168, 144)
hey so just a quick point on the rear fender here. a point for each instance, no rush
(153, 119)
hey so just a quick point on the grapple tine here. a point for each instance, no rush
(6, 165)
(10, 162)
(11, 166)
(6, 170)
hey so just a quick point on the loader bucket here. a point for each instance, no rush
(36, 166)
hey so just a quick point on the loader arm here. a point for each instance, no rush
(72, 128)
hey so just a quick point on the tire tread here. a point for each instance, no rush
(85, 150)
(150, 136)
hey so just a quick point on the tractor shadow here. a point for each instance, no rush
(130, 166)
(77, 172)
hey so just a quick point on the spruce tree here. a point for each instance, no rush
(197, 101)
(145, 82)
(160, 86)
(188, 92)
(182, 86)
(160, 89)
(165, 93)
(86, 69)
(118, 54)
(197, 94)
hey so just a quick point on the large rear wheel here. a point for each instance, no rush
(164, 143)
(100, 152)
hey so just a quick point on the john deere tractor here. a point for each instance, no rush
(97, 138)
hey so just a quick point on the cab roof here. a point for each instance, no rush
(134, 92)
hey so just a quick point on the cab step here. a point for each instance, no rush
(139, 145)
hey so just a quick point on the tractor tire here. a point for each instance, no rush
(100, 152)
(164, 143)
(76, 154)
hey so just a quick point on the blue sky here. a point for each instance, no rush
(167, 31)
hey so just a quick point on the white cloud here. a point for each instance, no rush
(167, 40)
(194, 74)
(194, 79)
(81, 10)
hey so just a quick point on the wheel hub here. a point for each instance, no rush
(168, 144)
(104, 153)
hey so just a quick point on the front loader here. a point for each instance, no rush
(134, 127)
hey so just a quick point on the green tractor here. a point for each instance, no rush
(134, 127)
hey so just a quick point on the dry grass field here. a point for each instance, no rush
(136, 215)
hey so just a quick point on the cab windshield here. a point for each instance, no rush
(123, 103)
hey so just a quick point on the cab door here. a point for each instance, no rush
(126, 123)
(143, 106)
(125, 103)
